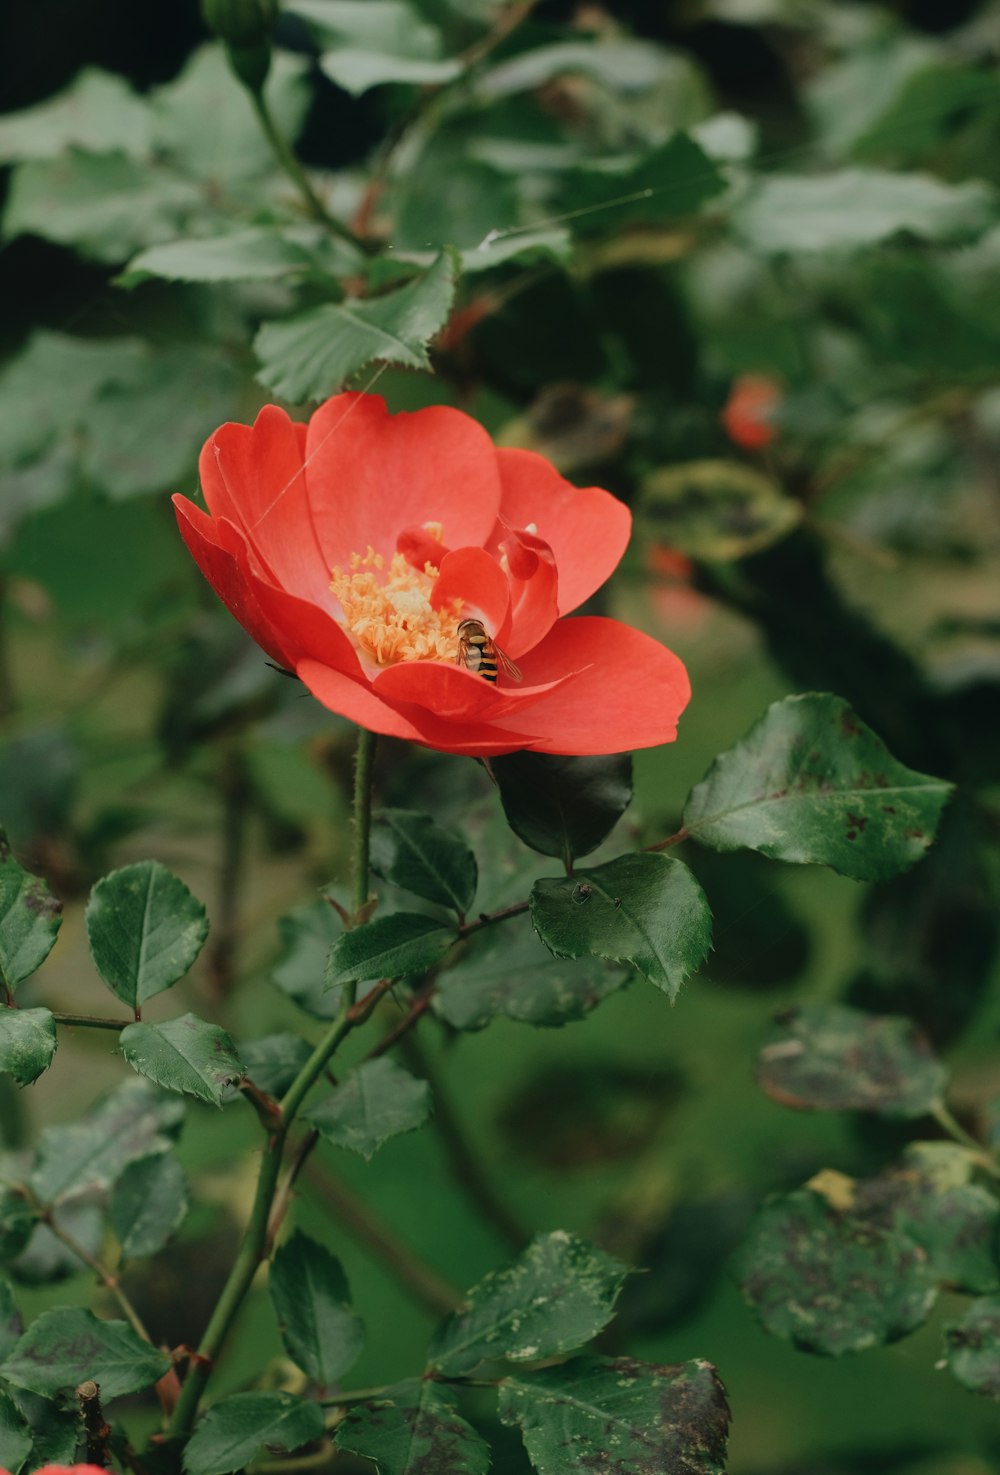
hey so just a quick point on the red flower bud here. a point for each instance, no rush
(747, 412)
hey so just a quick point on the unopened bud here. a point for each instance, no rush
(242, 24)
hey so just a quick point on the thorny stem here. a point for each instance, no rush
(288, 160)
(984, 1158)
(255, 1244)
(107, 1278)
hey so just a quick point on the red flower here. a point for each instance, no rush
(746, 415)
(66, 1470)
(351, 548)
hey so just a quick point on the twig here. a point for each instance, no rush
(107, 1278)
(984, 1158)
(91, 1021)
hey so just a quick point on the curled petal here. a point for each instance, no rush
(472, 577)
(534, 590)
(457, 694)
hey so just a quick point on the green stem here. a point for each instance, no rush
(957, 1132)
(107, 1278)
(289, 162)
(92, 1021)
(364, 759)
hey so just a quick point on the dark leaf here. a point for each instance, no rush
(410, 850)
(17, 1220)
(415, 1429)
(307, 934)
(675, 179)
(145, 930)
(15, 1437)
(313, 1304)
(236, 1429)
(29, 920)
(375, 1101)
(390, 947)
(715, 510)
(148, 1204)
(973, 1347)
(10, 1320)
(185, 1054)
(62, 1348)
(27, 1043)
(273, 1062)
(132, 1121)
(563, 806)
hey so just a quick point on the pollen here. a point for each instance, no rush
(388, 611)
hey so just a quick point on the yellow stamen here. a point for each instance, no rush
(388, 610)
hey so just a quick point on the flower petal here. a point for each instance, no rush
(534, 590)
(254, 476)
(472, 576)
(629, 696)
(586, 528)
(456, 694)
(371, 474)
(361, 704)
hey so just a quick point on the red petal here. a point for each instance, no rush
(371, 474)
(456, 694)
(534, 591)
(360, 704)
(586, 528)
(472, 576)
(254, 476)
(630, 696)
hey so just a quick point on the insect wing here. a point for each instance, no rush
(507, 666)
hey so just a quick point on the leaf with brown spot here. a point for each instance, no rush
(973, 1347)
(616, 1416)
(414, 1429)
(29, 919)
(62, 1348)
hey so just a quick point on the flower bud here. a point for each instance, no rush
(242, 24)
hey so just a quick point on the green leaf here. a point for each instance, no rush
(98, 112)
(307, 934)
(89, 1156)
(29, 919)
(642, 909)
(831, 1280)
(17, 1220)
(811, 783)
(273, 1062)
(185, 1054)
(62, 1348)
(620, 64)
(10, 1320)
(827, 1057)
(313, 1305)
(851, 208)
(375, 1101)
(356, 71)
(56, 1431)
(311, 355)
(953, 1220)
(15, 1437)
(507, 972)
(27, 1043)
(410, 850)
(257, 253)
(563, 806)
(415, 1429)
(107, 206)
(378, 41)
(236, 1429)
(674, 179)
(557, 1295)
(145, 930)
(631, 1417)
(148, 1204)
(973, 1347)
(715, 510)
(390, 947)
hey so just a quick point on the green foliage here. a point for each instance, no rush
(15, 1436)
(376, 1101)
(27, 1043)
(312, 1303)
(148, 1204)
(62, 1348)
(237, 1428)
(390, 947)
(410, 850)
(415, 1427)
(185, 1054)
(563, 806)
(716, 510)
(974, 1347)
(29, 920)
(145, 930)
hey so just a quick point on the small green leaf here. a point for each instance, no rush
(236, 1429)
(27, 1043)
(852, 208)
(313, 1305)
(642, 909)
(145, 930)
(675, 178)
(414, 1429)
(507, 972)
(148, 1204)
(827, 1057)
(356, 71)
(715, 510)
(832, 1280)
(10, 1320)
(56, 1431)
(17, 1220)
(16, 1438)
(311, 355)
(255, 254)
(87, 1156)
(307, 934)
(185, 1054)
(98, 111)
(563, 806)
(811, 783)
(390, 947)
(973, 1347)
(378, 41)
(29, 919)
(557, 1295)
(376, 1101)
(631, 1417)
(955, 1222)
(273, 1062)
(410, 850)
(62, 1348)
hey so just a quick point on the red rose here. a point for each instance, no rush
(747, 414)
(352, 547)
(65, 1470)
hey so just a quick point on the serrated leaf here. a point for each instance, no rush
(149, 1203)
(973, 1347)
(811, 783)
(633, 1417)
(827, 1057)
(62, 1348)
(27, 1043)
(185, 1054)
(88, 1156)
(16, 1438)
(563, 806)
(396, 946)
(715, 510)
(236, 1429)
(273, 1062)
(832, 1280)
(313, 1305)
(852, 208)
(257, 253)
(642, 909)
(56, 1431)
(557, 1295)
(307, 934)
(409, 849)
(311, 355)
(414, 1429)
(99, 111)
(508, 973)
(145, 930)
(29, 919)
(375, 1101)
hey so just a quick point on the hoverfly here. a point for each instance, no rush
(478, 652)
